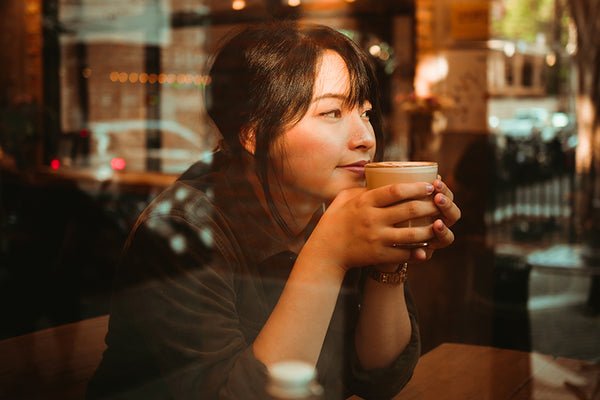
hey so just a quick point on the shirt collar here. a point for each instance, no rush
(258, 234)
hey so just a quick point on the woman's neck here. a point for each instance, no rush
(296, 209)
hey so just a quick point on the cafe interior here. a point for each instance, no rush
(101, 109)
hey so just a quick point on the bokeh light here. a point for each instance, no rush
(118, 164)
(238, 4)
(163, 78)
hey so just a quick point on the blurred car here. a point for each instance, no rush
(121, 146)
(527, 123)
(534, 123)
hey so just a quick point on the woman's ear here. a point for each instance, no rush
(248, 139)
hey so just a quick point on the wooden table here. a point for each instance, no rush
(462, 372)
(54, 363)
(57, 363)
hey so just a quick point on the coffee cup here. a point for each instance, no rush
(389, 172)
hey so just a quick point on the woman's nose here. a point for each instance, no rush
(361, 135)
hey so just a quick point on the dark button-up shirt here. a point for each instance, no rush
(200, 274)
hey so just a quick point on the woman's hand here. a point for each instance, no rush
(359, 227)
(449, 213)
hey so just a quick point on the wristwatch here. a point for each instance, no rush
(391, 278)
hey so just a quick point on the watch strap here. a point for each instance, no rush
(390, 278)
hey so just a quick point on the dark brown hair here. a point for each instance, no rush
(263, 78)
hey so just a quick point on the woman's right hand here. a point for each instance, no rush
(358, 228)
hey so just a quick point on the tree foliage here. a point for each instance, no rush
(524, 19)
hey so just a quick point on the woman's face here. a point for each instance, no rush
(326, 151)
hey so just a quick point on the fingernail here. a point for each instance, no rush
(439, 185)
(442, 200)
(440, 228)
(429, 188)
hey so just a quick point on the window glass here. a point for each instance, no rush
(103, 107)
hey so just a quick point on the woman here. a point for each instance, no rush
(264, 256)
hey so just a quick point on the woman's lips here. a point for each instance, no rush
(356, 168)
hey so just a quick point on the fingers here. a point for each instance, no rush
(419, 211)
(437, 235)
(377, 216)
(444, 200)
(387, 195)
(421, 254)
(443, 236)
(449, 211)
(406, 238)
(441, 187)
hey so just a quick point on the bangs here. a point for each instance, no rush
(362, 87)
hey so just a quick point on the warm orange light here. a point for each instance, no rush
(152, 78)
(181, 79)
(238, 4)
(294, 3)
(143, 77)
(133, 77)
(162, 78)
(123, 77)
(585, 146)
(430, 70)
(114, 76)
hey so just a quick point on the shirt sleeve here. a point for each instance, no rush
(178, 289)
(386, 383)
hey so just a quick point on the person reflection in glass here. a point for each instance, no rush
(263, 255)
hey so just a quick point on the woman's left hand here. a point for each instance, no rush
(449, 214)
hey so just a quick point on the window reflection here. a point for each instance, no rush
(102, 109)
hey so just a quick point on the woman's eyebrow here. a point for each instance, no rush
(342, 97)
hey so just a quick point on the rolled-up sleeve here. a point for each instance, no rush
(385, 383)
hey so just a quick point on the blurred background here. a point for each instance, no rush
(101, 108)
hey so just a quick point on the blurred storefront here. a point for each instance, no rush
(102, 107)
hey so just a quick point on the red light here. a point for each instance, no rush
(55, 164)
(84, 132)
(117, 164)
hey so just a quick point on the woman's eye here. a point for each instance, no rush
(332, 114)
(367, 114)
